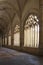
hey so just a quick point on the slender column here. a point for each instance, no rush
(21, 35)
(12, 36)
(41, 28)
(41, 24)
(7, 38)
(2, 40)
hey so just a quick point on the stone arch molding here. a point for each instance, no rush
(12, 7)
(6, 8)
(32, 11)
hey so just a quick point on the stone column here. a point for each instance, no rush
(12, 35)
(41, 24)
(4, 39)
(41, 28)
(21, 35)
(7, 38)
(12, 38)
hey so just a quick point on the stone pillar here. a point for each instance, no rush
(12, 38)
(4, 39)
(7, 38)
(21, 35)
(41, 24)
(12, 35)
(41, 28)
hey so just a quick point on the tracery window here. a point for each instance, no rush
(31, 32)
(17, 36)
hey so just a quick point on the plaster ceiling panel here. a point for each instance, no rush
(16, 21)
(29, 8)
(10, 12)
(14, 5)
(26, 8)
(7, 8)
(21, 4)
(36, 4)
(7, 11)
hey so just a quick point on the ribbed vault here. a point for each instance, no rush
(10, 8)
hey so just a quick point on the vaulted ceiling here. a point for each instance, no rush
(10, 8)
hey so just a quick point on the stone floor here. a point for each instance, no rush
(12, 57)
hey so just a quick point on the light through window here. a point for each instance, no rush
(5, 40)
(17, 36)
(9, 40)
(31, 32)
